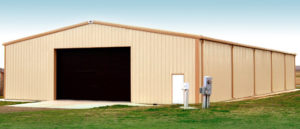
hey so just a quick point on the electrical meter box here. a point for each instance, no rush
(207, 85)
(186, 86)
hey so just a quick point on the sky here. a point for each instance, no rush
(273, 24)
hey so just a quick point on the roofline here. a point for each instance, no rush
(200, 37)
(44, 33)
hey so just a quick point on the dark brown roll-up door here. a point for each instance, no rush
(93, 74)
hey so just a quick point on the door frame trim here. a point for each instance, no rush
(55, 67)
(172, 84)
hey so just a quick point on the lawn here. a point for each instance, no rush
(8, 103)
(2, 103)
(281, 111)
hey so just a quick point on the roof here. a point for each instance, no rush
(297, 68)
(141, 29)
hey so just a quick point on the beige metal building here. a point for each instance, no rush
(35, 66)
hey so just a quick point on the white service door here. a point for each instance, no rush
(177, 81)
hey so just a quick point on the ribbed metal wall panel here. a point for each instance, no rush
(217, 64)
(154, 58)
(262, 72)
(290, 71)
(243, 72)
(278, 71)
(161, 56)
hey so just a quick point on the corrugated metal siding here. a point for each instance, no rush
(243, 72)
(290, 71)
(154, 57)
(262, 72)
(27, 73)
(158, 57)
(278, 71)
(217, 64)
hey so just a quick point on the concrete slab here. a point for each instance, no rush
(74, 104)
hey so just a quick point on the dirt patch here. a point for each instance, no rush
(8, 109)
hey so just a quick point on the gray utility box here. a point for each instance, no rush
(206, 91)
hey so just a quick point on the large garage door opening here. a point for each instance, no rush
(93, 74)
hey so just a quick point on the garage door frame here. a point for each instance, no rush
(55, 68)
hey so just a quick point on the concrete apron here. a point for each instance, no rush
(74, 104)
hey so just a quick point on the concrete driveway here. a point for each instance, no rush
(74, 104)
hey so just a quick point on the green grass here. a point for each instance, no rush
(282, 111)
(9, 103)
(114, 107)
(2, 103)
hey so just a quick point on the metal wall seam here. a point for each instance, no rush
(4, 87)
(285, 72)
(197, 71)
(295, 70)
(202, 67)
(254, 72)
(272, 72)
(232, 73)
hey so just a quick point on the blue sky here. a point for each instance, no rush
(266, 23)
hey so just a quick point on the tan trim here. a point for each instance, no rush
(45, 33)
(284, 72)
(131, 89)
(4, 87)
(197, 71)
(272, 72)
(242, 45)
(143, 29)
(55, 77)
(202, 66)
(232, 77)
(254, 68)
(149, 30)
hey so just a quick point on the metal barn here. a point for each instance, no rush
(105, 61)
